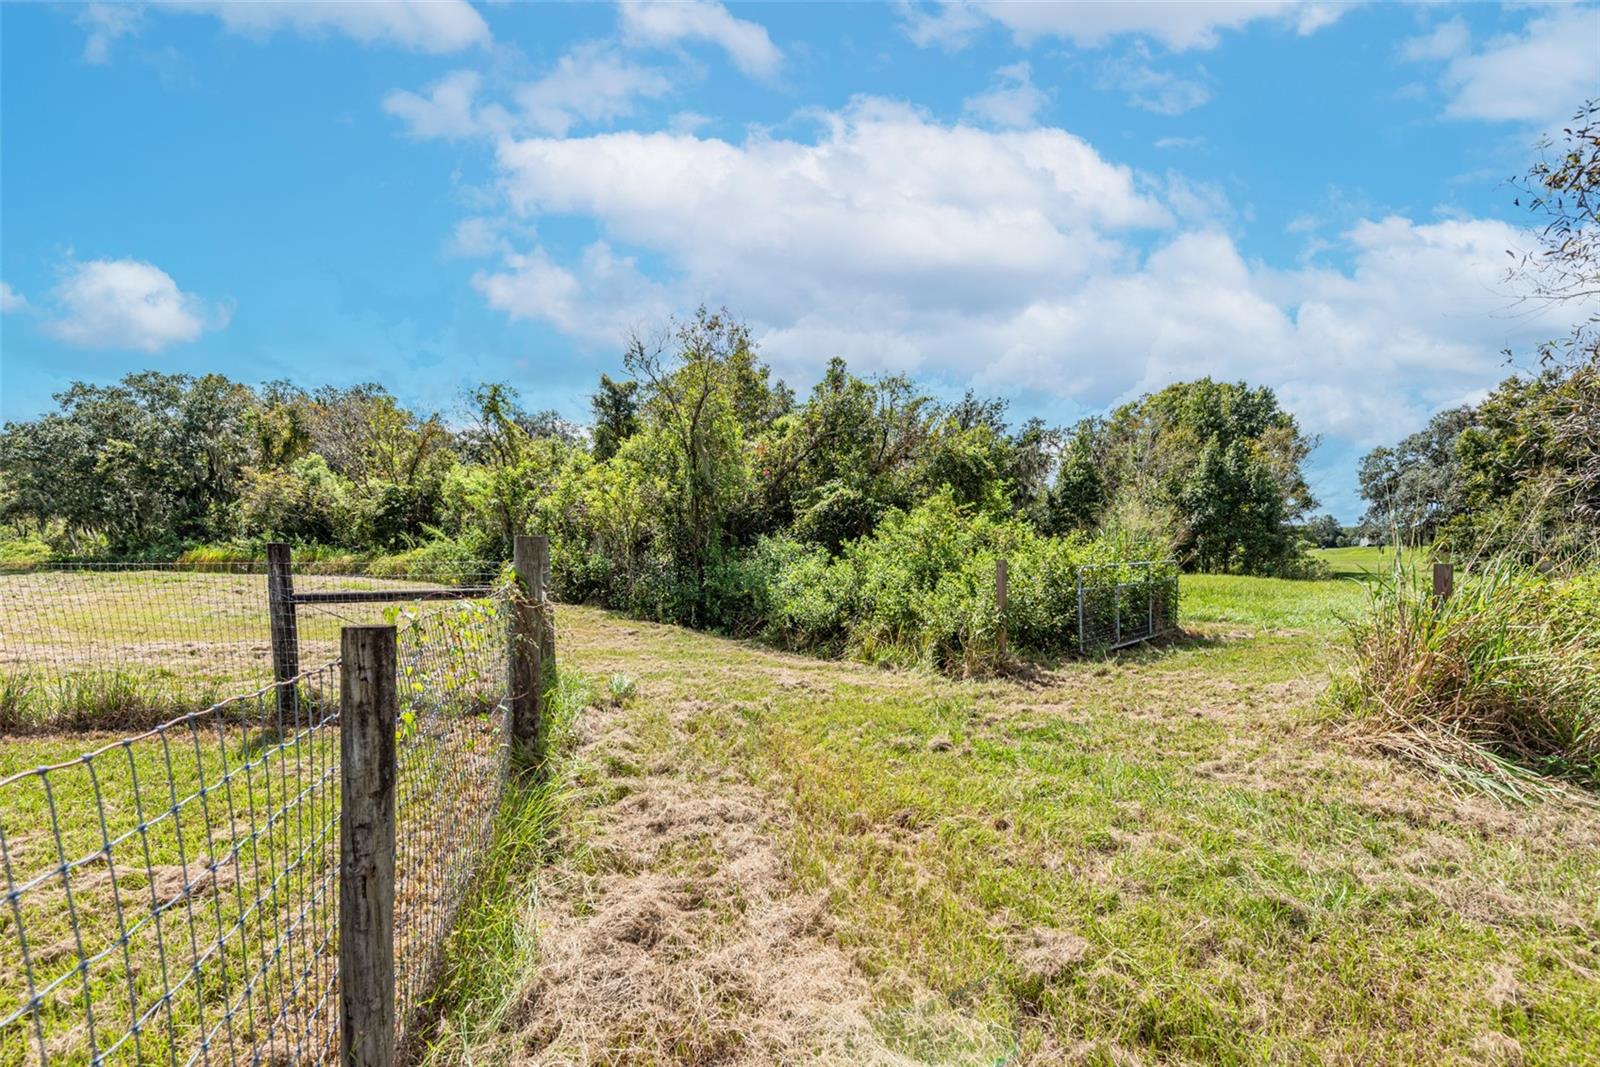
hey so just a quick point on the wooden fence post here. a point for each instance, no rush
(285, 630)
(546, 621)
(1444, 581)
(527, 647)
(367, 711)
(1000, 604)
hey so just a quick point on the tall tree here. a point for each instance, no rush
(616, 415)
(1414, 489)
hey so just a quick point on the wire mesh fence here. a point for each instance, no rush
(172, 895)
(123, 645)
(1125, 603)
(452, 757)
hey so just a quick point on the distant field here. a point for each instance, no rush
(1361, 562)
(1269, 603)
(128, 647)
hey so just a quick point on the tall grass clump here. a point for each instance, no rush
(1494, 685)
(33, 701)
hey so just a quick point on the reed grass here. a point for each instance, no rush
(1497, 687)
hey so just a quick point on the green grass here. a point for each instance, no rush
(1320, 607)
(1364, 561)
(492, 949)
(1238, 882)
(165, 836)
(1247, 888)
(117, 649)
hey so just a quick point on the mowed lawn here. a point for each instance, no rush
(1364, 561)
(1168, 856)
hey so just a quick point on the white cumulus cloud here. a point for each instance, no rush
(1147, 87)
(1538, 75)
(448, 109)
(10, 299)
(1016, 260)
(104, 24)
(433, 26)
(659, 24)
(591, 83)
(127, 304)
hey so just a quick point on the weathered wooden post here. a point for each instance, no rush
(1444, 581)
(527, 647)
(1000, 605)
(367, 712)
(547, 619)
(285, 629)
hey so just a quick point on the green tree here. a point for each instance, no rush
(1202, 458)
(1079, 496)
(1415, 487)
(616, 415)
(156, 457)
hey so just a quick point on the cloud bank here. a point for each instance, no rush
(1021, 260)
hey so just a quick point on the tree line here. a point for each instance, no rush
(688, 460)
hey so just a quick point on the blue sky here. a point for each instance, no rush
(1064, 205)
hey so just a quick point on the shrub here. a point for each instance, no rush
(1502, 679)
(306, 501)
(26, 551)
(921, 588)
(444, 559)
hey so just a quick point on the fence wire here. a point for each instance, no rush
(172, 896)
(1125, 603)
(130, 645)
(452, 756)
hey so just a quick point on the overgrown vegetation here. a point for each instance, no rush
(860, 519)
(1500, 679)
(493, 946)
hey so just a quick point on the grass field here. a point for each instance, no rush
(128, 648)
(1165, 857)
(1358, 562)
(191, 868)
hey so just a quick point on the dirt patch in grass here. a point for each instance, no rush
(677, 936)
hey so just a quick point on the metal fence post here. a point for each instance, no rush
(1150, 600)
(527, 646)
(285, 629)
(1444, 581)
(1000, 605)
(1117, 639)
(367, 707)
(1082, 651)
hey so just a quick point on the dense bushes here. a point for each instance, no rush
(1508, 669)
(921, 589)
